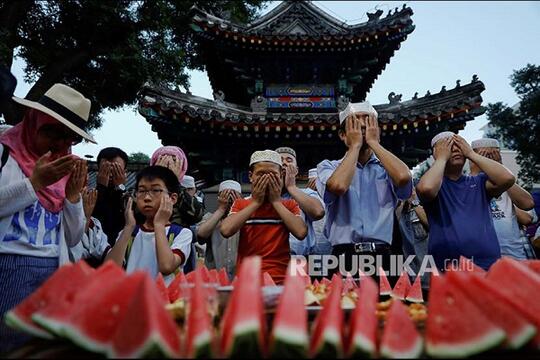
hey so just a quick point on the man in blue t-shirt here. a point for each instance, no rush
(458, 206)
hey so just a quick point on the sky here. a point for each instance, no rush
(452, 40)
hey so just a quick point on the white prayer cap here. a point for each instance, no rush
(312, 173)
(485, 143)
(188, 182)
(286, 150)
(353, 108)
(441, 136)
(265, 155)
(230, 185)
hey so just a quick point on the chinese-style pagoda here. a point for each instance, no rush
(281, 80)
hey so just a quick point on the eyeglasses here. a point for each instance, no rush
(60, 133)
(153, 193)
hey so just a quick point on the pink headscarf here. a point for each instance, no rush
(20, 140)
(173, 151)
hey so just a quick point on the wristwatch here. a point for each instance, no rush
(120, 187)
(415, 203)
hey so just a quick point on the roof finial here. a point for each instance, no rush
(458, 83)
(428, 93)
(415, 96)
(443, 89)
(474, 78)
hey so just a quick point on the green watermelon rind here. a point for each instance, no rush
(291, 336)
(84, 341)
(14, 321)
(202, 345)
(329, 345)
(362, 347)
(153, 347)
(283, 349)
(413, 353)
(517, 341)
(53, 326)
(465, 349)
(246, 332)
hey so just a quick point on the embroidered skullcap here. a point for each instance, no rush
(312, 173)
(441, 136)
(286, 150)
(353, 108)
(485, 143)
(188, 182)
(230, 185)
(265, 155)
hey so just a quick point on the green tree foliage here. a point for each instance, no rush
(105, 49)
(138, 157)
(520, 129)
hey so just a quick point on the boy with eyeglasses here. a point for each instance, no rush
(156, 246)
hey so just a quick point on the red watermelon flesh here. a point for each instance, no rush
(468, 265)
(199, 328)
(326, 339)
(174, 290)
(93, 324)
(315, 283)
(63, 283)
(455, 327)
(415, 292)
(290, 334)
(521, 285)
(349, 283)
(214, 276)
(243, 324)
(55, 316)
(518, 329)
(147, 329)
(384, 286)
(162, 288)
(223, 278)
(205, 274)
(400, 339)
(534, 265)
(267, 280)
(190, 277)
(363, 322)
(325, 281)
(402, 286)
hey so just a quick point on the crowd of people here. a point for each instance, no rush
(350, 206)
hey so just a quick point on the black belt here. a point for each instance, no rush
(362, 247)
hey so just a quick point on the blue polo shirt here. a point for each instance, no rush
(460, 222)
(366, 211)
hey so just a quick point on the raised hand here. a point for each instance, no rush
(372, 130)
(223, 199)
(118, 174)
(259, 189)
(291, 172)
(104, 173)
(76, 181)
(129, 216)
(443, 149)
(164, 211)
(464, 146)
(353, 132)
(89, 197)
(48, 172)
(274, 188)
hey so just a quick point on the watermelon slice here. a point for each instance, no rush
(267, 280)
(518, 329)
(400, 339)
(325, 282)
(455, 327)
(174, 290)
(290, 334)
(199, 328)
(402, 286)
(214, 276)
(384, 286)
(56, 315)
(147, 329)
(469, 266)
(362, 338)
(243, 324)
(349, 283)
(93, 324)
(326, 339)
(223, 278)
(62, 284)
(205, 274)
(415, 292)
(162, 288)
(521, 285)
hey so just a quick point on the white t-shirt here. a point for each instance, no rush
(26, 227)
(94, 243)
(507, 227)
(143, 255)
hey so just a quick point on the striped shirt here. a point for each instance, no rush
(264, 234)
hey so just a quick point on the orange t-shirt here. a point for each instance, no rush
(265, 235)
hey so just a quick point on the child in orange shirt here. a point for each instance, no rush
(265, 220)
